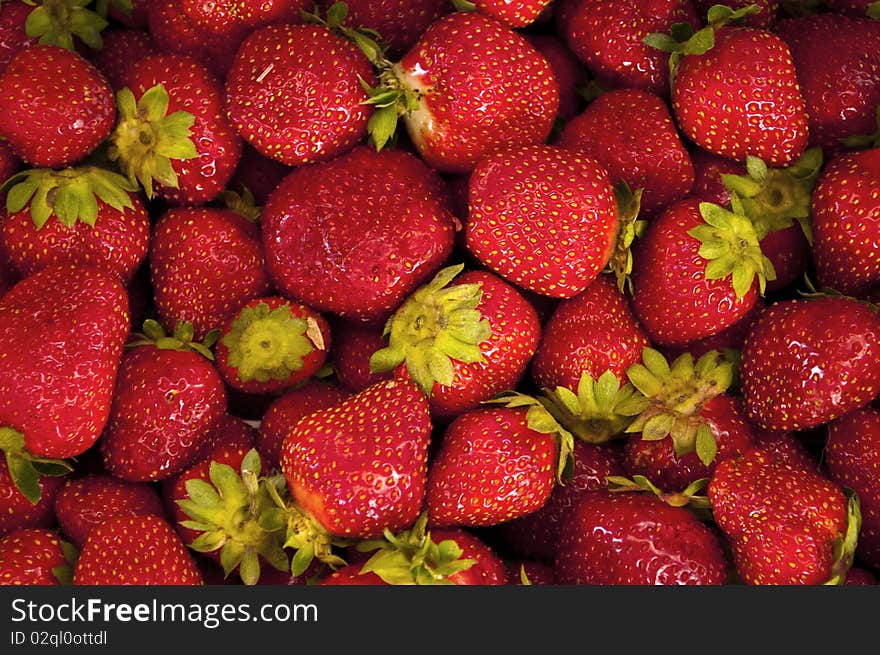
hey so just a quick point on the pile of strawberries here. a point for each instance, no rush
(435, 292)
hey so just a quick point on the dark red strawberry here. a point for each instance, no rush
(135, 550)
(34, 556)
(860, 576)
(229, 431)
(168, 397)
(527, 572)
(84, 503)
(542, 218)
(808, 361)
(763, 19)
(360, 466)
(353, 345)
(229, 19)
(462, 339)
(258, 174)
(137, 18)
(630, 132)
(9, 163)
(13, 36)
(855, 7)
(785, 525)
(567, 68)
(355, 235)
(17, 511)
(351, 575)
(708, 169)
(636, 539)
(205, 264)
(121, 49)
(785, 447)
(57, 107)
(518, 14)
(852, 455)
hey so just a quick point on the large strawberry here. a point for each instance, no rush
(35, 556)
(542, 218)
(56, 106)
(785, 525)
(808, 361)
(355, 235)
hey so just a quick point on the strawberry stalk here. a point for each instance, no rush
(57, 22)
(688, 497)
(181, 339)
(25, 469)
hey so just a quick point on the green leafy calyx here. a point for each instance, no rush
(57, 22)
(183, 338)
(845, 545)
(620, 263)
(25, 469)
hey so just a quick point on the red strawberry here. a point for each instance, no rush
(173, 135)
(607, 36)
(515, 14)
(84, 503)
(526, 572)
(34, 556)
(708, 169)
(355, 235)
(808, 361)
(855, 7)
(859, 576)
(135, 550)
(230, 18)
(487, 568)
(785, 447)
(57, 107)
(271, 344)
(13, 37)
(286, 410)
(9, 163)
(852, 455)
(468, 87)
(258, 174)
(542, 218)
(205, 264)
(17, 511)
(75, 216)
(229, 431)
(353, 345)
(785, 525)
(360, 466)
(168, 397)
(303, 103)
(763, 19)
(567, 68)
(462, 341)
(631, 134)
(846, 223)
(137, 18)
(727, 341)
(636, 539)
(122, 48)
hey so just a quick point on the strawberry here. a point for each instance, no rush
(567, 68)
(48, 122)
(630, 132)
(258, 174)
(229, 19)
(205, 264)
(121, 49)
(282, 116)
(462, 340)
(229, 431)
(468, 87)
(168, 396)
(708, 171)
(855, 7)
(86, 502)
(136, 18)
(808, 361)
(785, 525)
(785, 447)
(852, 456)
(543, 218)
(360, 466)
(764, 19)
(636, 539)
(353, 345)
(515, 14)
(526, 572)
(13, 37)
(607, 36)
(286, 410)
(17, 511)
(173, 135)
(135, 550)
(271, 344)
(735, 91)
(75, 216)
(860, 576)
(728, 342)
(355, 235)
(594, 332)
(846, 223)
(34, 556)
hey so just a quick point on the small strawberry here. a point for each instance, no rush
(57, 107)
(543, 218)
(785, 525)
(808, 361)
(228, 432)
(121, 49)
(360, 466)
(515, 14)
(168, 397)
(13, 36)
(258, 174)
(229, 19)
(353, 345)
(787, 448)
(567, 68)
(35, 556)
(636, 539)
(17, 511)
(135, 550)
(708, 171)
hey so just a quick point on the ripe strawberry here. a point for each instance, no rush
(735, 91)
(34, 556)
(9, 163)
(121, 49)
(636, 539)
(860, 576)
(137, 18)
(515, 14)
(728, 342)
(567, 68)
(17, 511)
(764, 19)
(852, 455)
(462, 341)
(75, 216)
(230, 18)
(607, 35)
(785, 525)
(468, 87)
(846, 223)
(57, 107)
(168, 397)
(360, 466)
(353, 345)
(258, 174)
(286, 410)
(135, 550)
(283, 116)
(785, 447)
(13, 37)
(593, 332)
(708, 171)
(630, 132)
(807, 361)
(229, 431)
(855, 7)
(355, 235)
(205, 264)
(84, 503)
(173, 135)
(542, 218)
